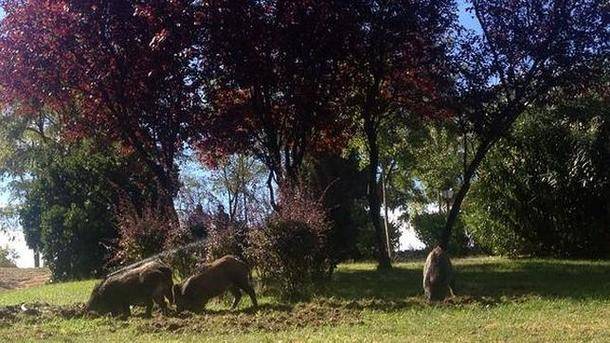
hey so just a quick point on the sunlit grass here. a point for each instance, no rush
(498, 300)
(58, 294)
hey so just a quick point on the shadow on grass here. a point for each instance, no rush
(485, 283)
(547, 279)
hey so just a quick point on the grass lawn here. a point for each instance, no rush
(498, 300)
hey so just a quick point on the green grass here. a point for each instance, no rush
(57, 294)
(498, 300)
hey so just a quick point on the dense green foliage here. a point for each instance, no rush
(439, 162)
(429, 226)
(340, 183)
(63, 192)
(67, 211)
(544, 191)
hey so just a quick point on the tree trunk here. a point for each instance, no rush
(271, 192)
(602, 158)
(383, 259)
(169, 210)
(168, 186)
(245, 204)
(36, 258)
(385, 211)
(459, 198)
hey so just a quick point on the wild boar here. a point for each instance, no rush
(142, 285)
(213, 280)
(438, 275)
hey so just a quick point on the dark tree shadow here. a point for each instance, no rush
(547, 279)
(482, 283)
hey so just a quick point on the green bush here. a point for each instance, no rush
(544, 191)
(429, 227)
(70, 241)
(67, 211)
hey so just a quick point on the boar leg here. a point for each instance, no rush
(452, 287)
(203, 302)
(237, 295)
(160, 300)
(123, 311)
(169, 294)
(246, 287)
(149, 306)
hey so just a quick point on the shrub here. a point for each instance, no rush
(204, 240)
(544, 192)
(341, 184)
(7, 258)
(71, 242)
(141, 233)
(289, 251)
(183, 251)
(227, 238)
(366, 248)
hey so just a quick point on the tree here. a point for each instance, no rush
(67, 211)
(65, 192)
(115, 68)
(439, 163)
(396, 64)
(237, 179)
(341, 185)
(272, 71)
(429, 227)
(526, 52)
(24, 142)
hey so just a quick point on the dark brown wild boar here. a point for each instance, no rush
(213, 280)
(438, 275)
(142, 285)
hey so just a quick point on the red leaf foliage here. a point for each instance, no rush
(272, 71)
(283, 78)
(114, 68)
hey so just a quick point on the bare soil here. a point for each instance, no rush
(269, 318)
(17, 278)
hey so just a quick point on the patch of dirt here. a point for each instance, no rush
(37, 311)
(17, 278)
(265, 318)
(271, 318)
